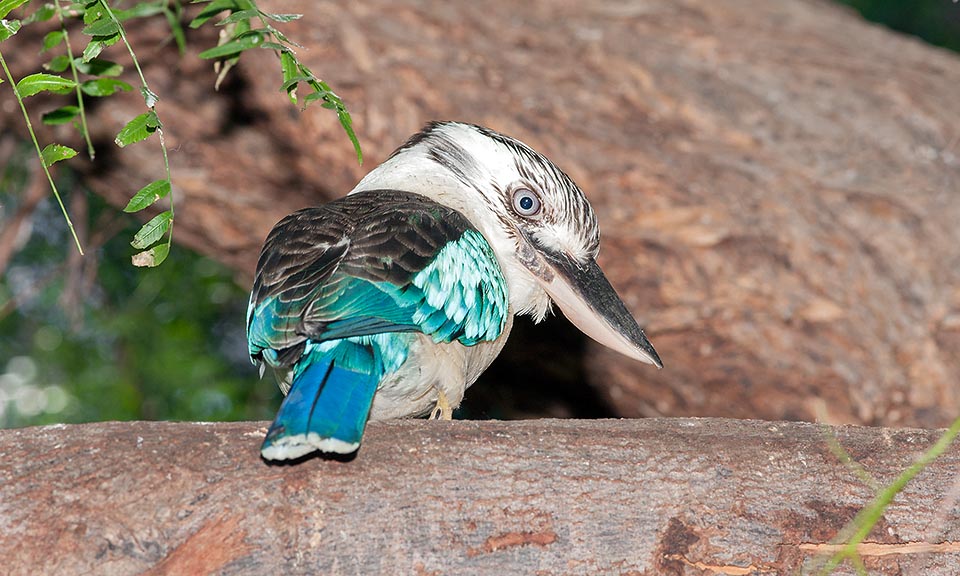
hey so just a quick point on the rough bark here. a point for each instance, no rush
(653, 496)
(775, 180)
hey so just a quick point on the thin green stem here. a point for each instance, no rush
(36, 145)
(842, 455)
(76, 79)
(859, 565)
(123, 36)
(318, 85)
(151, 100)
(166, 166)
(867, 518)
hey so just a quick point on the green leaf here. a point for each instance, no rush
(58, 64)
(251, 40)
(138, 129)
(93, 49)
(240, 28)
(52, 39)
(6, 6)
(153, 121)
(61, 115)
(141, 10)
(148, 195)
(333, 102)
(8, 28)
(291, 83)
(152, 257)
(152, 230)
(98, 67)
(288, 66)
(316, 83)
(275, 46)
(330, 99)
(347, 123)
(36, 83)
(238, 16)
(43, 13)
(102, 27)
(96, 46)
(173, 19)
(282, 17)
(280, 36)
(104, 86)
(93, 11)
(211, 10)
(54, 153)
(323, 97)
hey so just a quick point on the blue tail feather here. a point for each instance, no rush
(329, 402)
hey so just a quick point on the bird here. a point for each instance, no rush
(391, 301)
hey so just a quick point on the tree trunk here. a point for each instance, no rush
(653, 496)
(775, 181)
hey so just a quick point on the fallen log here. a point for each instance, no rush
(774, 180)
(653, 496)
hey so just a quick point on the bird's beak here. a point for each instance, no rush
(591, 304)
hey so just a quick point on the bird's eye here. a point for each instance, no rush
(526, 203)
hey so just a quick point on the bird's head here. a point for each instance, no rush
(538, 221)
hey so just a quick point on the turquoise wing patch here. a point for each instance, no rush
(373, 263)
(464, 294)
(460, 295)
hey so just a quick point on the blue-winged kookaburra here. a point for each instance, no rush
(391, 301)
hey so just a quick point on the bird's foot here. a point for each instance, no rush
(442, 411)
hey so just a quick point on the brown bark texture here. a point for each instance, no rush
(651, 496)
(775, 181)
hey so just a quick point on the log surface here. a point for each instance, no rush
(654, 496)
(775, 181)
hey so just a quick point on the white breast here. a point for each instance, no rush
(412, 390)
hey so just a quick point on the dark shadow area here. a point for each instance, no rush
(934, 21)
(235, 92)
(539, 374)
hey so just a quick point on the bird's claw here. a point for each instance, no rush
(442, 411)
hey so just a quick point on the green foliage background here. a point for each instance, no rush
(935, 21)
(143, 343)
(168, 342)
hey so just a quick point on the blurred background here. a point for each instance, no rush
(97, 339)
